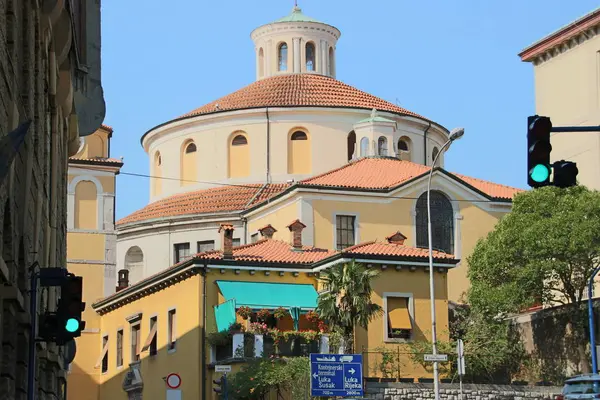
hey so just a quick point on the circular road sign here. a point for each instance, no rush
(173, 381)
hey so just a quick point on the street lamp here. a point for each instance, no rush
(455, 134)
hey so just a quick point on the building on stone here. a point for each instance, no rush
(50, 75)
(91, 239)
(565, 66)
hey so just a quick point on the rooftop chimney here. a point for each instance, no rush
(226, 231)
(296, 228)
(123, 281)
(267, 231)
(396, 238)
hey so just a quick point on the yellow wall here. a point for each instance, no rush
(185, 360)
(299, 155)
(239, 157)
(96, 145)
(279, 219)
(188, 165)
(86, 205)
(85, 246)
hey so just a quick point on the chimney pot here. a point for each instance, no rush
(226, 231)
(296, 228)
(123, 280)
(396, 238)
(267, 231)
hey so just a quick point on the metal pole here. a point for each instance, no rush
(436, 383)
(576, 129)
(591, 321)
(32, 334)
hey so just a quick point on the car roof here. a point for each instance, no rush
(583, 378)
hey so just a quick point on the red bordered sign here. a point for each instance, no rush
(173, 381)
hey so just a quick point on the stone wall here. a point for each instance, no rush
(419, 391)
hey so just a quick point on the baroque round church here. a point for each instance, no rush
(249, 159)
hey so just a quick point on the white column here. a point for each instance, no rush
(457, 233)
(256, 54)
(100, 205)
(297, 55)
(305, 214)
(324, 345)
(268, 57)
(323, 63)
(71, 211)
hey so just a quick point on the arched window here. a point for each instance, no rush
(188, 164)
(86, 206)
(261, 62)
(283, 56)
(364, 147)
(239, 156)
(299, 155)
(134, 263)
(331, 64)
(434, 154)
(351, 145)
(442, 222)
(404, 149)
(382, 146)
(157, 174)
(310, 57)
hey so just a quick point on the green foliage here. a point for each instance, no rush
(544, 251)
(347, 301)
(389, 363)
(262, 376)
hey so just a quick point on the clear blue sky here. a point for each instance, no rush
(454, 62)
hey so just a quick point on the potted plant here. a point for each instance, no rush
(263, 315)
(244, 312)
(280, 313)
(236, 327)
(312, 317)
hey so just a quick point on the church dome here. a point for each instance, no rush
(299, 90)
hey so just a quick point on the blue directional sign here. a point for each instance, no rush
(336, 375)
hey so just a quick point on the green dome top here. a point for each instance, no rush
(297, 16)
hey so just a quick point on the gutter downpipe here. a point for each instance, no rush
(591, 321)
(203, 339)
(268, 146)
(425, 144)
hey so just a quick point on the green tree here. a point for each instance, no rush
(543, 251)
(347, 300)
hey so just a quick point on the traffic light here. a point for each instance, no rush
(221, 386)
(539, 149)
(565, 174)
(70, 308)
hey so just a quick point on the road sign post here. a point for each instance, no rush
(338, 375)
(460, 350)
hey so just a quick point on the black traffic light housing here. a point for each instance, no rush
(66, 323)
(538, 151)
(221, 385)
(565, 174)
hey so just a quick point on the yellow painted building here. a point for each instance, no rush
(161, 324)
(91, 241)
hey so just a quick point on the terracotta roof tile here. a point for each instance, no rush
(271, 251)
(386, 173)
(393, 250)
(218, 199)
(300, 90)
(108, 128)
(101, 160)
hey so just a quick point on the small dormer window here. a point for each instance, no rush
(402, 145)
(283, 56)
(310, 57)
(191, 148)
(382, 146)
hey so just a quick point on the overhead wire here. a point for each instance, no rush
(259, 186)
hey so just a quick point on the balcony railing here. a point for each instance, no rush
(244, 345)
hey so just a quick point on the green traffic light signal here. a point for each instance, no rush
(540, 173)
(72, 325)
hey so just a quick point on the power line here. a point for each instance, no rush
(257, 186)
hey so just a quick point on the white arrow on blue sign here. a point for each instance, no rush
(336, 375)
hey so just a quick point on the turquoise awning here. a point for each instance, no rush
(257, 295)
(225, 315)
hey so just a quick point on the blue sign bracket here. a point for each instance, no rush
(337, 375)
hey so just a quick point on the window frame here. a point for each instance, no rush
(171, 330)
(356, 227)
(135, 356)
(314, 56)
(421, 237)
(176, 259)
(153, 349)
(233, 143)
(201, 242)
(119, 355)
(105, 359)
(236, 240)
(411, 313)
(282, 61)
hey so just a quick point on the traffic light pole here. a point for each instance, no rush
(33, 291)
(576, 129)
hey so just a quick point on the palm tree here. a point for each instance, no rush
(346, 301)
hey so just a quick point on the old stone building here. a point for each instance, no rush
(49, 75)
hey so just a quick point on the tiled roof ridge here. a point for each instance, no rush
(461, 176)
(358, 246)
(330, 172)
